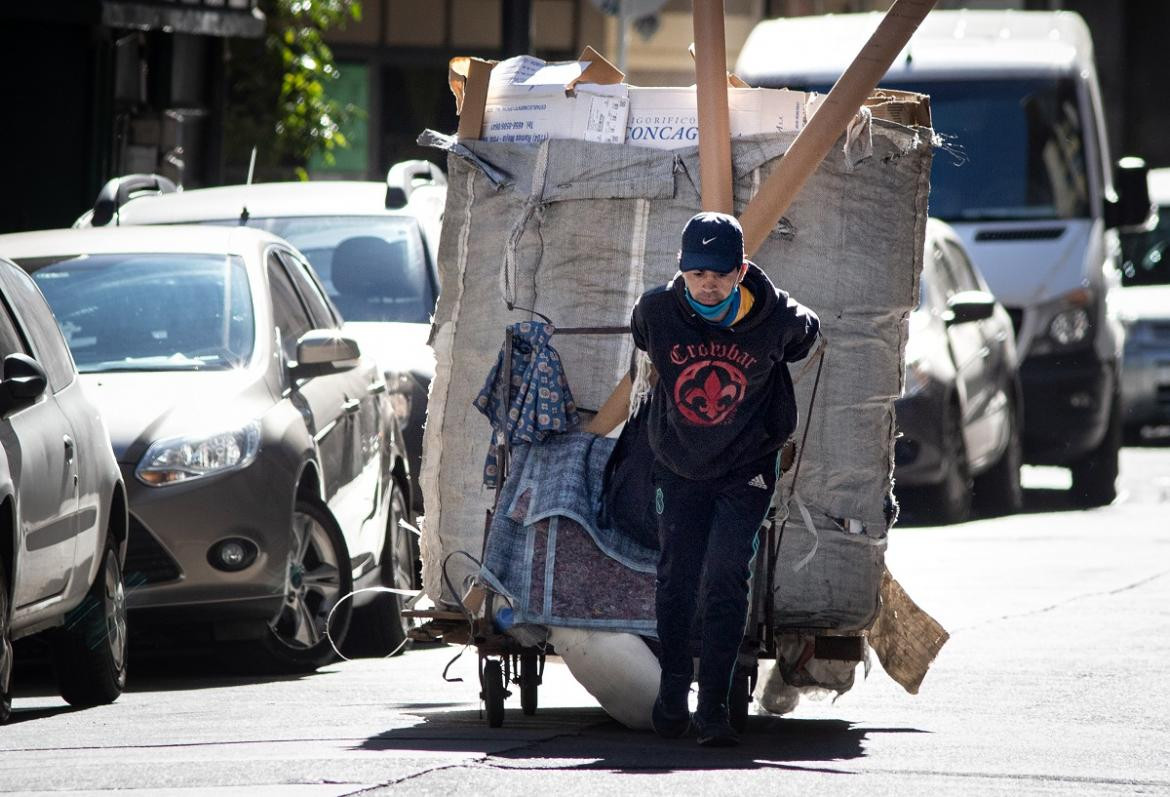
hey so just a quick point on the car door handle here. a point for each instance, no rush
(350, 406)
(70, 447)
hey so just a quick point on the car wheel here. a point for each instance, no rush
(5, 649)
(89, 652)
(379, 628)
(319, 576)
(949, 501)
(1094, 478)
(998, 491)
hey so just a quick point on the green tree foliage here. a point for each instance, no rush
(278, 96)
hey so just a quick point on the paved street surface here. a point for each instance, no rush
(1053, 682)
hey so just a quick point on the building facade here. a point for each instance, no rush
(395, 60)
(109, 87)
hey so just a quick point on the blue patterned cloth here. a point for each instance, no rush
(540, 402)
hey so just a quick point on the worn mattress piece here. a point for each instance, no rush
(578, 230)
(548, 555)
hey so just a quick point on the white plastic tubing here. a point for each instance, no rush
(594, 657)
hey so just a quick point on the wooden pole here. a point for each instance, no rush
(711, 89)
(833, 115)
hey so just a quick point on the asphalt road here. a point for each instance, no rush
(1053, 682)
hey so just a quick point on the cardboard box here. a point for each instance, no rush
(526, 89)
(668, 118)
(527, 100)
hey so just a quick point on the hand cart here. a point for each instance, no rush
(504, 661)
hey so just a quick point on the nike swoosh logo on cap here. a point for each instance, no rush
(709, 240)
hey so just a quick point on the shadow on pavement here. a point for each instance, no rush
(28, 714)
(587, 739)
(152, 670)
(913, 513)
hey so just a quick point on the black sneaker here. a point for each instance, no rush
(716, 731)
(669, 726)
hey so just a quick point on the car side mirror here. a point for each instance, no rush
(22, 383)
(324, 351)
(1131, 210)
(968, 306)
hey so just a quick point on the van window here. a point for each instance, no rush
(1012, 149)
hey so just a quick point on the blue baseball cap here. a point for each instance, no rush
(711, 242)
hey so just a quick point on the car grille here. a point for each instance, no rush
(1031, 234)
(1160, 331)
(147, 562)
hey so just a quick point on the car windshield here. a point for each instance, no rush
(374, 268)
(150, 312)
(1010, 149)
(1145, 260)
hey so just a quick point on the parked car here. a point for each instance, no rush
(1026, 179)
(62, 508)
(385, 234)
(1145, 310)
(265, 471)
(959, 415)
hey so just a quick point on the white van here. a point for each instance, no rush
(1024, 177)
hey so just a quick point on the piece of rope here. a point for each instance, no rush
(509, 271)
(775, 554)
(640, 385)
(462, 608)
(810, 526)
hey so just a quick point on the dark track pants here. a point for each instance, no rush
(713, 522)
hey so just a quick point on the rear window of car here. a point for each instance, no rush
(150, 312)
(374, 268)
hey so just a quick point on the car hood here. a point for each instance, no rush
(1022, 266)
(1143, 302)
(397, 347)
(142, 407)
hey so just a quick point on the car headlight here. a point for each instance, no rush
(196, 456)
(1070, 326)
(401, 389)
(1069, 323)
(400, 405)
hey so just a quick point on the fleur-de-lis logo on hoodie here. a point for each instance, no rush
(707, 391)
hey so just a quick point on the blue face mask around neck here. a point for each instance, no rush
(723, 313)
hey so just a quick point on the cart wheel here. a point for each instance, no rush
(738, 701)
(493, 693)
(529, 682)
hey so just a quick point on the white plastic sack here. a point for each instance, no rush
(617, 669)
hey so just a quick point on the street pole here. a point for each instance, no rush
(621, 36)
(517, 27)
(711, 99)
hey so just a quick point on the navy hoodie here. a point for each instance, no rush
(724, 396)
